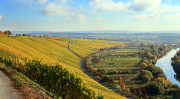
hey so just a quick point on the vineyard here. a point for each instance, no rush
(84, 47)
(51, 56)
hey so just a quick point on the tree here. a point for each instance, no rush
(154, 60)
(145, 76)
(156, 71)
(120, 80)
(24, 35)
(175, 93)
(163, 82)
(176, 63)
(7, 33)
(143, 65)
(155, 88)
(121, 83)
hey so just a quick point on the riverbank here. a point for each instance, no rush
(165, 64)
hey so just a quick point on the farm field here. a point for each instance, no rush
(54, 51)
(119, 62)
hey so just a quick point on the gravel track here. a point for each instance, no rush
(6, 90)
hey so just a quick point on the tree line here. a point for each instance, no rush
(176, 63)
(153, 77)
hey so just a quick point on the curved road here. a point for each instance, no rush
(84, 69)
(6, 90)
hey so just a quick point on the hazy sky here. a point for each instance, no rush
(85, 15)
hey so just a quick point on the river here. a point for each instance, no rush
(165, 64)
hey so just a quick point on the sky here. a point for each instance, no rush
(90, 15)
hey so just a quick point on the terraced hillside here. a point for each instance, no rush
(54, 51)
(118, 62)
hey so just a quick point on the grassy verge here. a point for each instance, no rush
(28, 88)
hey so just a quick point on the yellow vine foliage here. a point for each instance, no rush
(83, 47)
(54, 51)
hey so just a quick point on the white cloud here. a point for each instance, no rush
(50, 20)
(99, 19)
(144, 5)
(171, 17)
(42, 1)
(76, 17)
(0, 17)
(81, 18)
(146, 17)
(168, 8)
(133, 5)
(107, 5)
(60, 8)
(54, 9)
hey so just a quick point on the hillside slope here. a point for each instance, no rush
(53, 51)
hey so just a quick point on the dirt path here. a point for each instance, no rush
(84, 69)
(6, 90)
